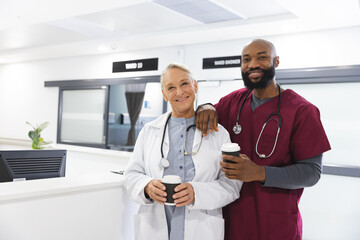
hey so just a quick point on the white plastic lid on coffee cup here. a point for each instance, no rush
(171, 179)
(230, 147)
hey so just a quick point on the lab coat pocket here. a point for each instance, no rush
(204, 226)
(149, 225)
(282, 226)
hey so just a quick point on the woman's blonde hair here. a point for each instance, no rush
(178, 66)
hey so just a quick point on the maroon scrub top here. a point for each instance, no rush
(268, 213)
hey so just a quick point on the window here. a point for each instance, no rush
(131, 107)
(82, 116)
(107, 113)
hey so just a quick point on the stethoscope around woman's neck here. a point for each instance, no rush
(164, 162)
(237, 128)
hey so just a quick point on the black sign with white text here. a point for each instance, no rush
(221, 62)
(136, 65)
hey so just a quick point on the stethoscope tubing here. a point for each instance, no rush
(164, 161)
(163, 136)
(237, 128)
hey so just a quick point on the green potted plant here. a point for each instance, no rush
(37, 141)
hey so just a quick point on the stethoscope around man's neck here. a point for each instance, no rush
(237, 128)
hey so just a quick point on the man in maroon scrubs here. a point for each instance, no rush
(276, 161)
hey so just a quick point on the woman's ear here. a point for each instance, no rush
(164, 96)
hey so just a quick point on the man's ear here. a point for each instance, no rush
(277, 61)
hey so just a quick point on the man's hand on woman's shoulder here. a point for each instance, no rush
(206, 119)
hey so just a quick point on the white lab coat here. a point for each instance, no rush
(203, 218)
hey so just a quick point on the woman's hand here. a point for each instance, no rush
(184, 195)
(156, 191)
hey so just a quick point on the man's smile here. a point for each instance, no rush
(256, 74)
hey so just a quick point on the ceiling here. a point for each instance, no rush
(46, 29)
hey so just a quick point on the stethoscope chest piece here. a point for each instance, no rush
(164, 162)
(237, 128)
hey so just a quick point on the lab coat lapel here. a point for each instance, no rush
(160, 124)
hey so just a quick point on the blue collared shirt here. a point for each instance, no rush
(180, 165)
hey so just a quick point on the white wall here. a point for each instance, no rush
(330, 209)
(23, 97)
(312, 49)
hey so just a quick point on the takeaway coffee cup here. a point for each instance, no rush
(230, 149)
(170, 182)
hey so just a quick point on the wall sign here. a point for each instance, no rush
(136, 65)
(221, 62)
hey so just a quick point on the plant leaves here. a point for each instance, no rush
(37, 141)
(42, 126)
(33, 135)
(34, 146)
(31, 125)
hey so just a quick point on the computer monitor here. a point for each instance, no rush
(18, 165)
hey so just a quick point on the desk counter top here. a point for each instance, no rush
(10, 191)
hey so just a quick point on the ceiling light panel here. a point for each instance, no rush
(141, 18)
(200, 10)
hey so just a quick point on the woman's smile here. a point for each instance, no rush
(182, 99)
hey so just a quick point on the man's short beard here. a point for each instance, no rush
(268, 76)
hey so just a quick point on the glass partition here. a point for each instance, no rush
(145, 102)
(339, 117)
(82, 116)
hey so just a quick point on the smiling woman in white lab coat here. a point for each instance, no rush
(171, 145)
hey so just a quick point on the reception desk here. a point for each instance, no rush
(87, 207)
(89, 203)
